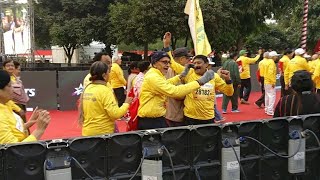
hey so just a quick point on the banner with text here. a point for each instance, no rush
(41, 87)
(70, 88)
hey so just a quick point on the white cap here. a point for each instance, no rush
(273, 54)
(225, 55)
(299, 51)
(115, 58)
(210, 61)
(266, 54)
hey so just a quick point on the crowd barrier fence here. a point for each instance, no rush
(191, 152)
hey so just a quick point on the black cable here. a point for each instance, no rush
(238, 159)
(44, 169)
(77, 162)
(197, 173)
(142, 159)
(173, 172)
(314, 134)
(273, 152)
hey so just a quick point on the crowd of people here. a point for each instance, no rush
(14, 127)
(175, 88)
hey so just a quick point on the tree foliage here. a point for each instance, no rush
(71, 24)
(291, 23)
(142, 22)
(227, 22)
(270, 38)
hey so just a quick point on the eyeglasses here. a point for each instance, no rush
(9, 65)
(165, 62)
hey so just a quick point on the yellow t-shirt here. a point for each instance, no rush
(155, 90)
(13, 106)
(116, 77)
(245, 65)
(296, 64)
(100, 110)
(262, 66)
(270, 73)
(86, 80)
(12, 127)
(316, 76)
(284, 61)
(200, 103)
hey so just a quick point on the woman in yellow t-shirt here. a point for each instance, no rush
(19, 97)
(99, 106)
(12, 127)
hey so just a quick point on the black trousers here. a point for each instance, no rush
(151, 123)
(284, 92)
(318, 91)
(121, 97)
(260, 101)
(191, 121)
(245, 89)
(174, 124)
(233, 99)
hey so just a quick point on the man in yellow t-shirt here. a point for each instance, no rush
(244, 68)
(282, 65)
(313, 62)
(103, 57)
(117, 80)
(316, 76)
(261, 68)
(270, 73)
(295, 64)
(199, 105)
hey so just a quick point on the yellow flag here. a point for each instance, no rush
(196, 25)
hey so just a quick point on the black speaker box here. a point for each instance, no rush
(24, 161)
(91, 153)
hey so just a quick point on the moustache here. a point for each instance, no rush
(197, 67)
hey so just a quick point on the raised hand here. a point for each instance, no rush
(166, 39)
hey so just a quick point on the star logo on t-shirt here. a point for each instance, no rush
(78, 90)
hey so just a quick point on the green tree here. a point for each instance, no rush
(291, 23)
(231, 22)
(270, 38)
(144, 22)
(71, 24)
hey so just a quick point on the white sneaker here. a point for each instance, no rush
(270, 114)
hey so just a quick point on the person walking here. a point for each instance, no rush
(270, 74)
(244, 68)
(283, 63)
(261, 70)
(117, 80)
(231, 65)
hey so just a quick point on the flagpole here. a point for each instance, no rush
(304, 33)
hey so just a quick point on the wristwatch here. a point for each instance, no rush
(167, 49)
(229, 81)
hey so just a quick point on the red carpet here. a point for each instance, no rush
(64, 123)
(248, 112)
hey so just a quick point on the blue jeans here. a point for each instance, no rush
(217, 114)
